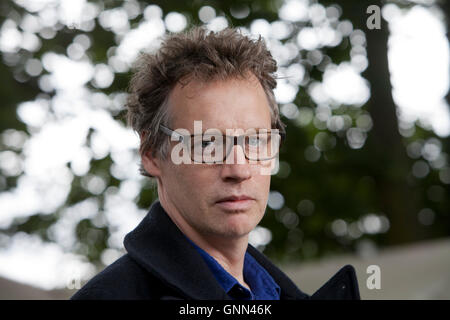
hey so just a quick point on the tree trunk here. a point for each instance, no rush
(390, 164)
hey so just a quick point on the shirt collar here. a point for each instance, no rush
(262, 285)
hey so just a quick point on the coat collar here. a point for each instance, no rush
(159, 246)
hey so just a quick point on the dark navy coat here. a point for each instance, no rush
(161, 264)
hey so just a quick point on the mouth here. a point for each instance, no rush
(235, 203)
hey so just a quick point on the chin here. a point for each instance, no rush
(234, 233)
(239, 224)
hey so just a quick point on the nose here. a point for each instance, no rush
(236, 167)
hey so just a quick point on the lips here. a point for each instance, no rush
(235, 198)
(236, 203)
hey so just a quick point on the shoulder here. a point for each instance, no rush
(123, 279)
(342, 286)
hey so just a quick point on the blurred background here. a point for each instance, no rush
(364, 176)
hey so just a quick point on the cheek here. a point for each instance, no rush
(261, 185)
(173, 179)
(191, 180)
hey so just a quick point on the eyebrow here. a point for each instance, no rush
(252, 128)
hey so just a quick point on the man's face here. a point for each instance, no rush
(196, 190)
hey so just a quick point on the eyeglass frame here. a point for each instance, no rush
(237, 140)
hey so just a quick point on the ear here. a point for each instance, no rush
(151, 164)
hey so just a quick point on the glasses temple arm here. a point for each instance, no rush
(172, 133)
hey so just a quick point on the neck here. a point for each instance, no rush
(228, 251)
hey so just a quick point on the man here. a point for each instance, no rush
(210, 132)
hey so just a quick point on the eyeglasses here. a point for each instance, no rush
(214, 147)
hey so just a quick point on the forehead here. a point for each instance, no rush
(236, 103)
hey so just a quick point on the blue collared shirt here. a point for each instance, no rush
(262, 285)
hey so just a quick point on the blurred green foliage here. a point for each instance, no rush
(344, 184)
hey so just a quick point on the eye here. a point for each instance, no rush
(206, 144)
(255, 141)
